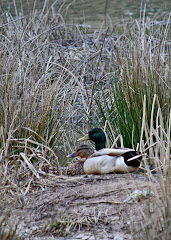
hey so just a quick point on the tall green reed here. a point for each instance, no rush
(140, 68)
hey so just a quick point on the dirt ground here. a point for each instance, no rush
(84, 207)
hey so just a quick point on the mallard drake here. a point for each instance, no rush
(109, 160)
(97, 136)
(79, 157)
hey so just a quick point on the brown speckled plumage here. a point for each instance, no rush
(81, 154)
(75, 167)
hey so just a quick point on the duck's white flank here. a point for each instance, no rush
(106, 164)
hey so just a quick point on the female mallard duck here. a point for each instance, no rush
(109, 160)
(79, 157)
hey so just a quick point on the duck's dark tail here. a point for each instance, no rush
(132, 159)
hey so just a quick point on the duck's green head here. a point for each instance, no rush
(97, 136)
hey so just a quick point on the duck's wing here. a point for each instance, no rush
(111, 151)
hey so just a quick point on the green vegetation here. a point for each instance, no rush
(64, 225)
(57, 81)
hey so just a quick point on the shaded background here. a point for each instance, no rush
(93, 12)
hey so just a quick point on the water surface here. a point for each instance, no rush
(94, 12)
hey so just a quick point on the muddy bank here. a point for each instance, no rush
(85, 207)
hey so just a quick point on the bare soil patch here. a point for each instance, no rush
(83, 207)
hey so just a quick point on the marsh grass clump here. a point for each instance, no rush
(155, 143)
(139, 67)
(39, 87)
(57, 227)
(156, 219)
(73, 223)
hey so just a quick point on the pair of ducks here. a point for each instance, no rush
(103, 160)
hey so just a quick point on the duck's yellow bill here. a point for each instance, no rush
(86, 137)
